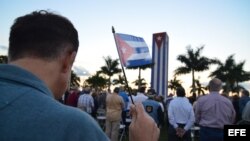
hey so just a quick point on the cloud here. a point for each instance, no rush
(3, 47)
(3, 50)
(246, 85)
(80, 71)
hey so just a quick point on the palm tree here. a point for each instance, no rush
(174, 84)
(140, 68)
(193, 62)
(96, 81)
(119, 80)
(199, 88)
(110, 68)
(231, 73)
(74, 80)
(141, 82)
(3, 59)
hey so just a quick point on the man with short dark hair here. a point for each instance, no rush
(140, 97)
(181, 117)
(42, 49)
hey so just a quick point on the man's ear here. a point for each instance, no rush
(68, 61)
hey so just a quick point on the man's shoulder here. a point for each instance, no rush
(203, 98)
(74, 117)
(77, 115)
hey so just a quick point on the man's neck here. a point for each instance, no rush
(46, 71)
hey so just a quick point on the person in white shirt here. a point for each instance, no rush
(181, 117)
(140, 97)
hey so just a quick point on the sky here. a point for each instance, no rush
(222, 26)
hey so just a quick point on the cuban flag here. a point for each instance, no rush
(133, 51)
(159, 72)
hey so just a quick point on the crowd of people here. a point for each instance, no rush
(209, 112)
(42, 49)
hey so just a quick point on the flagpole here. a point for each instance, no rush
(129, 91)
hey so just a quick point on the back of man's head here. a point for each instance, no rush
(180, 92)
(245, 92)
(41, 34)
(116, 90)
(215, 85)
(142, 89)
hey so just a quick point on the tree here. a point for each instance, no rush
(120, 80)
(141, 82)
(3, 59)
(198, 88)
(231, 74)
(110, 68)
(140, 68)
(96, 81)
(74, 80)
(193, 62)
(173, 84)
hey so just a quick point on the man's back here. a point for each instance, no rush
(114, 106)
(29, 111)
(153, 108)
(86, 103)
(214, 110)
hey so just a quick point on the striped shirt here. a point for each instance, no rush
(86, 103)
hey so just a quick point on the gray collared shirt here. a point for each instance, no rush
(214, 111)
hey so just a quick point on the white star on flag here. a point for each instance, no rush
(159, 38)
(124, 50)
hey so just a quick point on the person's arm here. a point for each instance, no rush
(171, 117)
(197, 112)
(191, 119)
(122, 103)
(142, 127)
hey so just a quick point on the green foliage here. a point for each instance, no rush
(119, 81)
(74, 80)
(174, 83)
(232, 74)
(96, 81)
(198, 88)
(110, 68)
(141, 82)
(3, 59)
(193, 62)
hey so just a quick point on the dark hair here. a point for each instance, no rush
(116, 90)
(245, 92)
(41, 34)
(142, 89)
(180, 92)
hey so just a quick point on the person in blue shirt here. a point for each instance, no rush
(243, 101)
(153, 108)
(42, 49)
(125, 98)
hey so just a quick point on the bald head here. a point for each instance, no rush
(215, 85)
